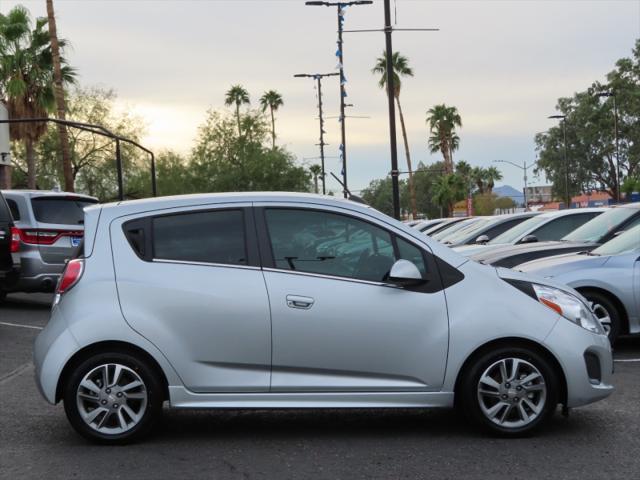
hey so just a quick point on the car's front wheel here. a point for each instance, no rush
(113, 398)
(607, 313)
(511, 391)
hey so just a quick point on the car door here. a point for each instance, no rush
(6, 222)
(337, 325)
(190, 282)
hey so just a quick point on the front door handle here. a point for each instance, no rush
(296, 301)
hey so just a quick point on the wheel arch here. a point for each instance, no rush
(513, 342)
(109, 346)
(624, 316)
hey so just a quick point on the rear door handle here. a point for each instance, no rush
(296, 301)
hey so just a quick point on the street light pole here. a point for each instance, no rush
(99, 130)
(340, 54)
(563, 119)
(524, 168)
(318, 78)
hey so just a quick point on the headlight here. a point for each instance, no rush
(569, 306)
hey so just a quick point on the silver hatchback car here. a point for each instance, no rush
(49, 226)
(275, 300)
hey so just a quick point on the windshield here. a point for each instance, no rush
(625, 242)
(60, 210)
(514, 234)
(456, 227)
(595, 229)
(468, 230)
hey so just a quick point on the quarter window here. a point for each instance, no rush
(209, 237)
(333, 244)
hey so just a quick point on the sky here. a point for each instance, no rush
(503, 64)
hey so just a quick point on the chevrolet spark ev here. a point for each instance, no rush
(302, 301)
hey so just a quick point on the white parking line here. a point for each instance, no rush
(627, 360)
(18, 325)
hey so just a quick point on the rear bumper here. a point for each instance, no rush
(36, 275)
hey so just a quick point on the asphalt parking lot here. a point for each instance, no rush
(597, 441)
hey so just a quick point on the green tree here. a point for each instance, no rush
(273, 101)
(401, 68)
(26, 78)
(379, 195)
(449, 189)
(442, 121)
(237, 95)
(591, 153)
(316, 172)
(222, 161)
(492, 175)
(425, 177)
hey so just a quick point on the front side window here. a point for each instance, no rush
(209, 237)
(332, 244)
(559, 227)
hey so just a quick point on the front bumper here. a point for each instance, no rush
(577, 350)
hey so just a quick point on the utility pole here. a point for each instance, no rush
(318, 78)
(343, 94)
(395, 186)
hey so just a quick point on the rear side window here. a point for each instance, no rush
(559, 227)
(208, 237)
(13, 207)
(60, 210)
(503, 227)
(5, 216)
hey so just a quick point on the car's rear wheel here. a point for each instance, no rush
(607, 313)
(510, 391)
(113, 398)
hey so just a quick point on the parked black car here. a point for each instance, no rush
(583, 239)
(7, 244)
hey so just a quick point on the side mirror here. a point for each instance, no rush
(529, 239)
(405, 274)
(482, 239)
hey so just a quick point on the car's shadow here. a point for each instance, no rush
(28, 302)
(239, 425)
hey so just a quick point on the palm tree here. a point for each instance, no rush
(492, 174)
(271, 100)
(316, 171)
(26, 78)
(237, 95)
(446, 190)
(479, 176)
(58, 78)
(401, 68)
(442, 121)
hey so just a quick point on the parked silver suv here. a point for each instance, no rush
(303, 301)
(50, 226)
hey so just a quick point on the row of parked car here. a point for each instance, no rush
(594, 250)
(39, 232)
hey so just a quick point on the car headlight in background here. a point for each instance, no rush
(569, 306)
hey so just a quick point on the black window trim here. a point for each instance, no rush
(434, 281)
(146, 224)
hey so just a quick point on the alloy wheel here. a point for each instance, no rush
(603, 316)
(512, 393)
(112, 398)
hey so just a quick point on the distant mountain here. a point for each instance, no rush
(509, 191)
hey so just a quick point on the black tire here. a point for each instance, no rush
(152, 385)
(598, 298)
(467, 391)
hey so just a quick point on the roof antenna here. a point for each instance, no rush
(351, 196)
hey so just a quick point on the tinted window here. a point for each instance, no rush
(64, 211)
(559, 227)
(210, 237)
(332, 244)
(514, 234)
(597, 228)
(13, 207)
(412, 253)
(503, 227)
(625, 242)
(5, 216)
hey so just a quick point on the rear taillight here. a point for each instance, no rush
(15, 240)
(70, 276)
(46, 237)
